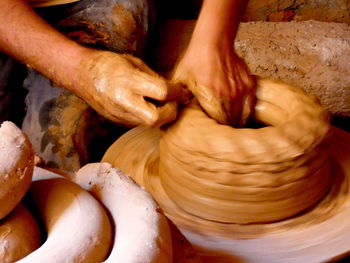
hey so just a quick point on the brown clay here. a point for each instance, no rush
(219, 173)
(19, 235)
(188, 169)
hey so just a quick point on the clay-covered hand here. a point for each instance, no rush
(220, 80)
(125, 90)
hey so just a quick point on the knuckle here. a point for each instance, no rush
(152, 119)
(162, 89)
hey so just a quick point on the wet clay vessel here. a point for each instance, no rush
(273, 194)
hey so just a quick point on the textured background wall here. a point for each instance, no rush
(313, 55)
(298, 10)
(267, 10)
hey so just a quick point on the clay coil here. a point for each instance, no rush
(141, 233)
(19, 235)
(16, 166)
(78, 228)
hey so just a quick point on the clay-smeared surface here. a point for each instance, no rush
(308, 235)
(219, 173)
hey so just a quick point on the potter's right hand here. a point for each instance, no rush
(125, 90)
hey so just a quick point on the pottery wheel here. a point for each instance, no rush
(273, 194)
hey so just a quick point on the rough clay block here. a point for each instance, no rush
(312, 55)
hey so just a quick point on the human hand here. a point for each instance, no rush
(220, 80)
(125, 90)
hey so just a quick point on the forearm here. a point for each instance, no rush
(30, 40)
(211, 69)
(218, 21)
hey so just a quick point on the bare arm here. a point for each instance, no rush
(29, 39)
(115, 85)
(218, 22)
(215, 74)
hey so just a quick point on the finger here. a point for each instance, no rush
(248, 80)
(230, 113)
(249, 98)
(248, 107)
(159, 89)
(166, 113)
(245, 88)
(160, 115)
(235, 104)
(149, 86)
(233, 109)
(209, 103)
(135, 105)
(213, 108)
(149, 114)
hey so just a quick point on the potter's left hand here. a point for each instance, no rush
(220, 80)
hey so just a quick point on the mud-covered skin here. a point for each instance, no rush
(63, 128)
(59, 124)
(125, 90)
(222, 174)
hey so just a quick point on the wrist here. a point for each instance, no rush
(207, 33)
(205, 50)
(218, 21)
(212, 43)
(69, 72)
(92, 70)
